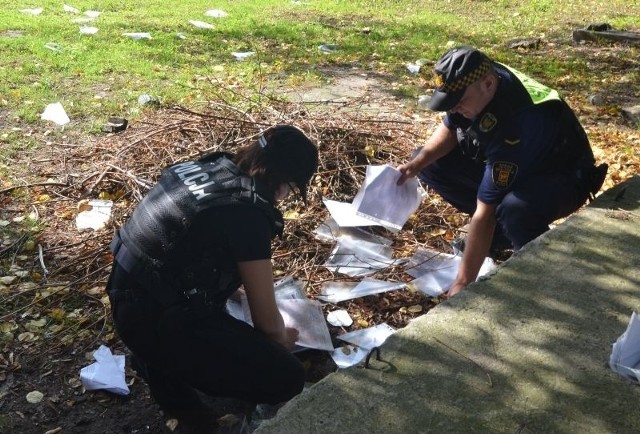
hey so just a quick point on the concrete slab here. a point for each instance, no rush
(524, 351)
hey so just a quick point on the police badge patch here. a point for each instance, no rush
(487, 122)
(503, 173)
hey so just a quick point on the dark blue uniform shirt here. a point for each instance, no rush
(514, 137)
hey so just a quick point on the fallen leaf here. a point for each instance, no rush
(8, 280)
(172, 424)
(35, 397)
(415, 308)
(26, 337)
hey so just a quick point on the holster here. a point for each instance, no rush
(592, 178)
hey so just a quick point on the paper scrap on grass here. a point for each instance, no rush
(413, 68)
(137, 35)
(70, 9)
(354, 257)
(216, 13)
(88, 30)
(328, 48)
(94, 214)
(625, 355)
(92, 14)
(107, 373)
(335, 292)
(380, 201)
(53, 46)
(242, 55)
(55, 113)
(34, 11)
(201, 24)
(83, 20)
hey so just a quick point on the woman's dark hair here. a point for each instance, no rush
(282, 154)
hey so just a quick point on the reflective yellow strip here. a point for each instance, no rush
(539, 92)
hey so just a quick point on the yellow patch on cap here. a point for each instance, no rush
(438, 81)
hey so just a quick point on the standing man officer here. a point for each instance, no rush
(510, 152)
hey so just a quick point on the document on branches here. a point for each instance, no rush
(297, 311)
(380, 201)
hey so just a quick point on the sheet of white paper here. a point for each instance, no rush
(345, 214)
(435, 272)
(347, 356)
(625, 355)
(426, 260)
(307, 317)
(106, 373)
(330, 231)
(55, 113)
(434, 282)
(335, 292)
(370, 337)
(297, 311)
(236, 310)
(382, 200)
(359, 258)
(289, 288)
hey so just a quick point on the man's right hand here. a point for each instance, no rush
(407, 170)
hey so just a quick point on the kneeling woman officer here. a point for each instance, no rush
(203, 231)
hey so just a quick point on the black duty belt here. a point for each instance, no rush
(156, 286)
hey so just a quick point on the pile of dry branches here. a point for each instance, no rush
(123, 166)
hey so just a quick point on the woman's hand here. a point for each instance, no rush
(291, 336)
(257, 279)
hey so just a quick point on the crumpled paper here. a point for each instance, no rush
(107, 373)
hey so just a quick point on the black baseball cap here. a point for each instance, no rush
(291, 154)
(454, 72)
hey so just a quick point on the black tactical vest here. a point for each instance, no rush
(163, 218)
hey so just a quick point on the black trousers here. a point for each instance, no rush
(181, 349)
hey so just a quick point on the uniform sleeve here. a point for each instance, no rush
(522, 150)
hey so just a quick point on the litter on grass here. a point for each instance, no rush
(55, 113)
(201, 24)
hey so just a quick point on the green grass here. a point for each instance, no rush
(95, 76)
